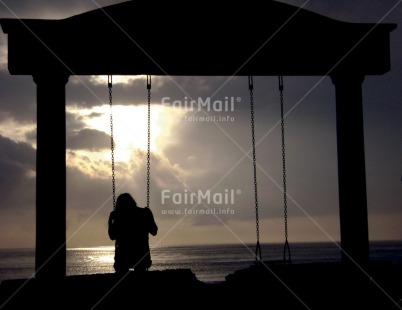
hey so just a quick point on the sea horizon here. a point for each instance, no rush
(211, 244)
(209, 262)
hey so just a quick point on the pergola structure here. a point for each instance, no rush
(140, 38)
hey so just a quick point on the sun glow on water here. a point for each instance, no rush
(97, 255)
(105, 259)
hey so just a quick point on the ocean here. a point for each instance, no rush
(210, 263)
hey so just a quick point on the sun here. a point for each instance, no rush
(130, 131)
(130, 127)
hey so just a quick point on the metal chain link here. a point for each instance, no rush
(149, 84)
(285, 204)
(257, 223)
(110, 85)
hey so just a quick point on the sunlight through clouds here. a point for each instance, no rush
(130, 136)
(117, 79)
(17, 131)
(129, 127)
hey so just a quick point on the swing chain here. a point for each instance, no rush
(285, 204)
(110, 86)
(257, 224)
(149, 84)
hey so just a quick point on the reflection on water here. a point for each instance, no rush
(90, 260)
(209, 263)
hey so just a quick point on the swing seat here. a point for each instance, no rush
(273, 262)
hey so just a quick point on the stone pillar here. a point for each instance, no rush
(351, 167)
(50, 256)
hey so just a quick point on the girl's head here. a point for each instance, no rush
(125, 202)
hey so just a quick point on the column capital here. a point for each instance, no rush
(347, 77)
(51, 78)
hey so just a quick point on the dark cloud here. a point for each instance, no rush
(55, 9)
(86, 192)
(88, 139)
(82, 92)
(74, 122)
(94, 115)
(17, 177)
(85, 92)
(88, 206)
(213, 155)
(18, 98)
(31, 136)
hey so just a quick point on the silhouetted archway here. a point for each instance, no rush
(278, 39)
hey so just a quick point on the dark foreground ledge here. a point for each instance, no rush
(375, 286)
(99, 291)
(267, 286)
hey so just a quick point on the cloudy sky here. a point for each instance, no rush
(193, 155)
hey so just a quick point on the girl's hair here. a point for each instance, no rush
(125, 202)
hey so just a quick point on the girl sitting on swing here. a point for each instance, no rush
(129, 225)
